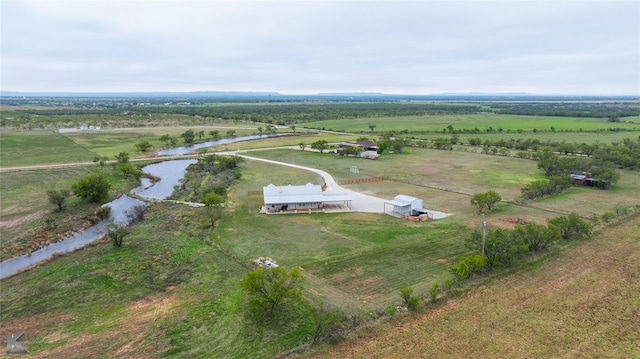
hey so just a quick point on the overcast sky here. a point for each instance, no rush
(308, 47)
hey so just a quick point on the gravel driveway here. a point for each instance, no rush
(361, 202)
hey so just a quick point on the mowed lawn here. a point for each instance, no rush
(584, 303)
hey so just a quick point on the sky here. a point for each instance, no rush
(308, 47)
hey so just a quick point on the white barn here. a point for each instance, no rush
(404, 206)
(290, 198)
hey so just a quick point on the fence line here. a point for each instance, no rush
(362, 180)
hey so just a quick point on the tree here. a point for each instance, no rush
(58, 197)
(166, 139)
(231, 133)
(534, 236)
(372, 127)
(268, 289)
(117, 233)
(327, 323)
(320, 145)
(570, 227)
(302, 145)
(143, 146)
(200, 134)
(92, 187)
(122, 157)
(499, 246)
(293, 128)
(398, 144)
(215, 134)
(213, 203)
(485, 200)
(188, 136)
(128, 169)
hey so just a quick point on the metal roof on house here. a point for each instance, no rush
(309, 193)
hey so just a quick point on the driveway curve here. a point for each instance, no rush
(361, 202)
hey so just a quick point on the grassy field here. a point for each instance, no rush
(583, 303)
(24, 205)
(172, 290)
(26, 148)
(469, 122)
(40, 147)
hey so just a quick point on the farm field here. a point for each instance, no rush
(582, 303)
(481, 121)
(32, 148)
(172, 290)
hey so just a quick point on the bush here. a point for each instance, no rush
(469, 265)
(409, 300)
(433, 292)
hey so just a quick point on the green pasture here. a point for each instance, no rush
(543, 137)
(469, 122)
(354, 261)
(463, 172)
(27, 148)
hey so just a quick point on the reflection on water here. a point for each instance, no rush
(184, 150)
(170, 173)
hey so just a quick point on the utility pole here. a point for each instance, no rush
(484, 226)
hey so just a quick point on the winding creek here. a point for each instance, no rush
(170, 173)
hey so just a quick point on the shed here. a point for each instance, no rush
(293, 198)
(404, 206)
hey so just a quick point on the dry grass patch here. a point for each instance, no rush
(584, 303)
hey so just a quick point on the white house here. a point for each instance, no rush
(296, 198)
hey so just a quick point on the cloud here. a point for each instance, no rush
(321, 46)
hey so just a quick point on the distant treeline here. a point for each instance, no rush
(610, 110)
(272, 113)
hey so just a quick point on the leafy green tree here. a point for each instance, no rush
(499, 247)
(231, 133)
(215, 134)
(468, 265)
(188, 136)
(143, 146)
(535, 236)
(213, 203)
(58, 197)
(398, 144)
(320, 145)
(486, 200)
(128, 169)
(268, 289)
(372, 127)
(293, 128)
(92, 187)
(122, 157)
(548, 162)
(117, 233)
(302, 145)
(166, 139)
(200, 134)
(570, 227)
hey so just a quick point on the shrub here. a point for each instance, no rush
(469, 265)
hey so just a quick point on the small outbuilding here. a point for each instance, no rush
(308, 198)
(404, 206)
